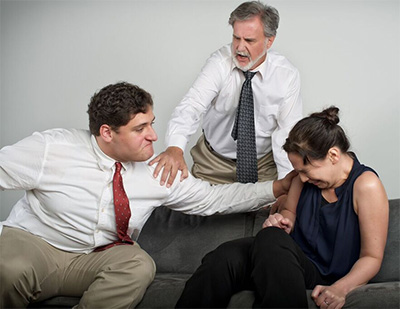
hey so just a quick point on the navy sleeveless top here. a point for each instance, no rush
(329, 233)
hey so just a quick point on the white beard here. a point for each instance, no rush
(251, 62)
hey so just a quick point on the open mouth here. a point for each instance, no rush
(242, 57)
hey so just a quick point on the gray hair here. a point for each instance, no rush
(269, 16)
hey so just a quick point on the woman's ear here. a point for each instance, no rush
(106, 133)
(334, 155)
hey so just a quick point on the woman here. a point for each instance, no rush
(329, 236)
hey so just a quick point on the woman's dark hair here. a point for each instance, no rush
(313, 136)
(115, 105)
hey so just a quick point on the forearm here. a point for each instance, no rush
(289, 215)
(279, 188)
(362, 271)
(290, 112)
(194, 196)
(182, 125)
(186, 116)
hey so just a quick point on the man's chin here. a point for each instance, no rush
(149, 155)
(144, 156)
(242, 66)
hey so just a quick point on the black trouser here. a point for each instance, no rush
(271, 264)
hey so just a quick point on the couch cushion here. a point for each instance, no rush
(177, 242)
(164, 291)
(375, 295)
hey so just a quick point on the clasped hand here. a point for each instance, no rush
(328, 297)
(277, 220)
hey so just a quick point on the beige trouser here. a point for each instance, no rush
(32, 270)
(216, 169)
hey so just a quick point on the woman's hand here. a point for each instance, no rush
(277, 220)
(328, 297)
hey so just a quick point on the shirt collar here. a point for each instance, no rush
(262, 68)
(105, 162)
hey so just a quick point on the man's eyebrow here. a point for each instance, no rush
(244, 38)
(144, 123)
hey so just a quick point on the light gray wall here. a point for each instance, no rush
(56, 54)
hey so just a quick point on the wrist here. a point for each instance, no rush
(341, 285)
(277, 188)
(175, 149)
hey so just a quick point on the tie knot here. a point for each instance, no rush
(118, 167)
(249, 75)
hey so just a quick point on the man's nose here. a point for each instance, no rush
(241, 46)
(152, 136)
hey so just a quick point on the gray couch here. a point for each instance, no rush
(177, 242)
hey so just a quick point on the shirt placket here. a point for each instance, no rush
(105, 207)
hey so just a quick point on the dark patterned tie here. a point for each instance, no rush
(243, 131)
(122, 211)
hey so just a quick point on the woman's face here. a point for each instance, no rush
(318, 172)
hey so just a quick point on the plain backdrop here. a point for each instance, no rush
(56, 54)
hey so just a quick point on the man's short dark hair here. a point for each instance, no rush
(116, 104)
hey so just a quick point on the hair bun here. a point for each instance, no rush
(329, 114)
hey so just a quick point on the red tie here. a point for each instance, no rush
(122, 211)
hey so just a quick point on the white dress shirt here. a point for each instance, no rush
(215, 96)
(69, 196)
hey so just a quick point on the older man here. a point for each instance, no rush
(245, 119)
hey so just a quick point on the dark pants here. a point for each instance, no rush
(271, 264)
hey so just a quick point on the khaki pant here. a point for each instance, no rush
(32, 270)
(216, 169)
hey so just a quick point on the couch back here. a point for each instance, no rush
(177, 242)
(390, 269)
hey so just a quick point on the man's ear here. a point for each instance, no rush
(334, 155)
(106, 133)
(270, 41)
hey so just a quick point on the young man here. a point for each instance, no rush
(88, 195)
(216, 96)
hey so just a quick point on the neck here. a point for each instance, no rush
(346, 165)
(104, 147)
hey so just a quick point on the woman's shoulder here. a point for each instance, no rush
(367, 188)
(367, 183)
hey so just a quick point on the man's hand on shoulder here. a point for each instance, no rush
(282, 186)
(170, 161)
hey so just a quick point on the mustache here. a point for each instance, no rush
(242, 53)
